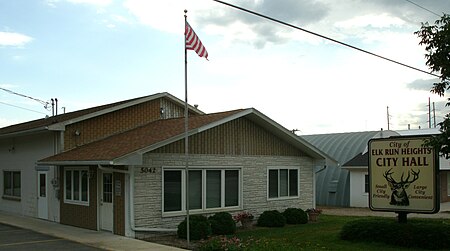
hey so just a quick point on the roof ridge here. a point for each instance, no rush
(61, 118)
(340, 133)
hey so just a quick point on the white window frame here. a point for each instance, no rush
(288, 168)
(79, 201)
(12, 196)
(203, 207)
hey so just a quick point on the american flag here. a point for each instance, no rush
(193, 42)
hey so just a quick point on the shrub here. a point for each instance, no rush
(295, 216)
(271, 218)
(199, 228)
(242, 216)
(222, 223)
(417, 233)
(222, 243)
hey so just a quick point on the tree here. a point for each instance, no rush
(436, 39)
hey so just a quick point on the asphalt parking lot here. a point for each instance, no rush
(15, 238)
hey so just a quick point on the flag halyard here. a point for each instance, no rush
(193, 42)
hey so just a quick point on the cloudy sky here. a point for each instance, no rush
(92, 52)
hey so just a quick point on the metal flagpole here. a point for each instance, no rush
(186, 136)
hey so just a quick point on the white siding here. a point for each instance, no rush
(358, 198)
(21, 154)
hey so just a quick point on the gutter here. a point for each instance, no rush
(314, 183)
(322, 169)
(131, 205)
(26, 132)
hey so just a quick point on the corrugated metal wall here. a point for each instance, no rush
(333, 183)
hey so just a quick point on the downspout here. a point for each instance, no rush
(131, 205)
(314, 184)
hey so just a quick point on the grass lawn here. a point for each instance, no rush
(322, 235)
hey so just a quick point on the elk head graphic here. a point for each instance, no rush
(399, 196)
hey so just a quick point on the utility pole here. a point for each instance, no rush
(429, 113)
(434, 116)
(387, 110)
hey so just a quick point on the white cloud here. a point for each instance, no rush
(51, 3)
(167, 15)
(13, 39)
(93, 2)
(382, 20)
(7, 86)
(120, 19)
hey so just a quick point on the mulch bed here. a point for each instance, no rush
(173, 240)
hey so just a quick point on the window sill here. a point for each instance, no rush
(201, 211)
(283, 198)
(13, 198)
(78, 203)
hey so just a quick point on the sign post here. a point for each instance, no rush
(403, 176)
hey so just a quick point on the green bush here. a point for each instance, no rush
(295, 216)
(222, 223)
(271, 218)
(199, 228)
(417, 233)
(222, 243)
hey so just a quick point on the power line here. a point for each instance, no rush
(423, 8)
(22, 108)
(44, 103)
(327, 38)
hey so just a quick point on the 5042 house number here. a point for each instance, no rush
(148, 170)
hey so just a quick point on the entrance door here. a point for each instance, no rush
(106, 202)
(42, 195)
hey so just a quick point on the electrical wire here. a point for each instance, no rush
(325, 37)
(423, 8)
(44, 103)
(22, 108)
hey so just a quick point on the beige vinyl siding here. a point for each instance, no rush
(238, 137)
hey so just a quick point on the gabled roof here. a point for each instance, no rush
(128, 147)
(344, 146)
(360, 160)
(59, 122)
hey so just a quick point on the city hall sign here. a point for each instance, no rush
(403, 175)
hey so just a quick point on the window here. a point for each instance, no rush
(107, 187)
(76, 189)
(209, 189)
(195, 189)
(11, 183)
(172, 191)
(282, 182)
(213, 188)
(366, 183)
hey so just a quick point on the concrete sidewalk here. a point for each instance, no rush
(98, 239)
